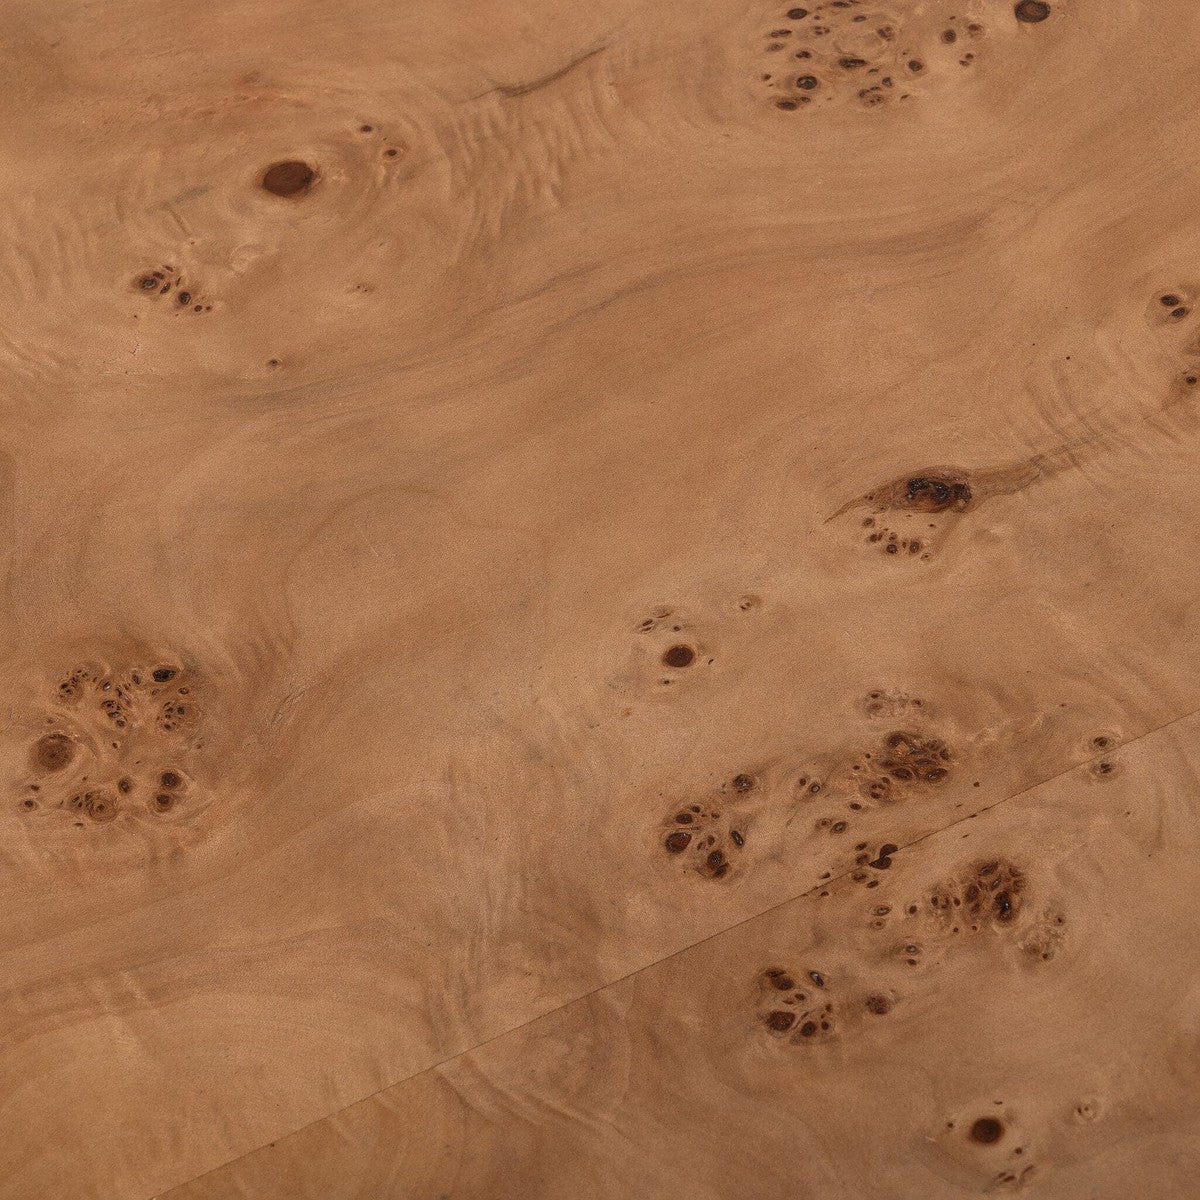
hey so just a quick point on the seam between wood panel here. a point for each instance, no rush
(825, 883)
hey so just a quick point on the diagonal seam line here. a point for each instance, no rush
(708, 937)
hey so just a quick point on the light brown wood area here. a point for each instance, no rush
(600, 601)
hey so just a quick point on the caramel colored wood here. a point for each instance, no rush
(525, 529)
(936, 1036)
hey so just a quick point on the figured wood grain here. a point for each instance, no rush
(966, 1038)
(504, 508)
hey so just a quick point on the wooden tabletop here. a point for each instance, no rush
(599, 601)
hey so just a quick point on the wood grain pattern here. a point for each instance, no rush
(965, 1038)
(525, 529)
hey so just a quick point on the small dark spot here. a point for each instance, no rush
(184, 298)
(288, 178)
(392, 152)
(1180, 312)
(164, 674)
(808, 1028)
(937, 495)
(743, 783)
(986, 1131)
(99, 807)
(788, 105)
(797, 14)
(148, 283)
(915, 64)
(1170, 300)
(1031, 11)
(949, 36)
(365, 129)
(738, 840)
(781, 1021)
(817, 978)
(1004, 908)
(678, 841)
(839, 827)
(170, 780)
(879, 1005)
(850, 63)
(715, 860)
(125, 785)
(679, 656)
(807, 82)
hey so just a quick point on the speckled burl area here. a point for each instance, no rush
(599, 602)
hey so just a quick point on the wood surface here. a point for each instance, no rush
(600, 601)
